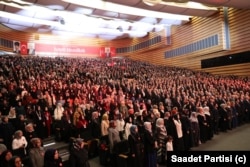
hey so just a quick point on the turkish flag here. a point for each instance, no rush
(102, 52)
(23, 48)
(112, 51)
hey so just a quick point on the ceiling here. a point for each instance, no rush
(92, 19)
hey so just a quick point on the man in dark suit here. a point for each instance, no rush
(16, 47)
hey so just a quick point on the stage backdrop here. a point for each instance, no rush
(73, 50)
(23, 47)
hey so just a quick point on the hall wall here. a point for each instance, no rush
(199, 28)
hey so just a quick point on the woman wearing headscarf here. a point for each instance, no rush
(203, 125)
(29, 134)
(178, 134)
(136, 147)
(195, 129)
(39, 121)
(161, 137)
(209, 117)
(150, 146)
(127, 125)
(52, 158)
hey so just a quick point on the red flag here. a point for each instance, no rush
(112, 52)
(23, 48)
(102, 52)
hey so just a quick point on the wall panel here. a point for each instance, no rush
(200, 28)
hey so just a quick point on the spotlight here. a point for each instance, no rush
(62, 21)
(120, 29)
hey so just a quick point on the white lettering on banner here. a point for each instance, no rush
(69, 50)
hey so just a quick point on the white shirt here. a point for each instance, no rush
(169, 146)
(58, 113)
(120, 124)
(104, 128)
(178, 128)
(17, 143)
(127, 130)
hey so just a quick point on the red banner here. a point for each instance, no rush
(66, 49)
(23, 48)
(102, 52)
(74, 49)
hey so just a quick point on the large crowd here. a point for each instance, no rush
(155, 109)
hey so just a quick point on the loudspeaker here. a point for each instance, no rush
(37, 37)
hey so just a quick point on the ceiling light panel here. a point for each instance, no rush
(149, 20)
(140, 26)
(27, 19)
(80, 10)
(98, 4)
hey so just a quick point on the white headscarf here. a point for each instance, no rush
(193, 117)
(159, 122)
(148, 126)
(206, 110)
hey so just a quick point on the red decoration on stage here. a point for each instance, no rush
(23, 48)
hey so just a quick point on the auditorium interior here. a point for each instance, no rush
(91, 72)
